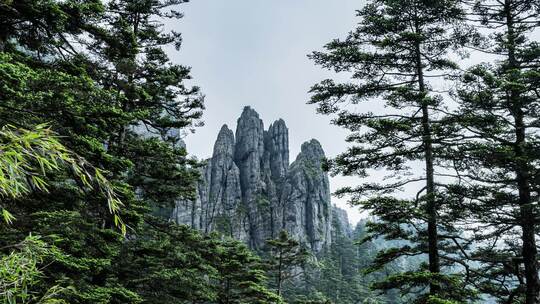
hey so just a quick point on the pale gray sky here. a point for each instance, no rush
(253, 52)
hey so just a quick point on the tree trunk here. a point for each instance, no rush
(526, 212)
(279, 279)
(431, 204)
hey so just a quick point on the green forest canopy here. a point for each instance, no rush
(80, 184)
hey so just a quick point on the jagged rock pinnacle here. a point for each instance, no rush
(251, 192)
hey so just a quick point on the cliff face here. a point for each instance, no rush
(306, 197)
(251, 192)
(340, 224)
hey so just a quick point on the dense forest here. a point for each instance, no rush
(101, 201)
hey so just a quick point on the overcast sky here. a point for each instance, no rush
(253, 52)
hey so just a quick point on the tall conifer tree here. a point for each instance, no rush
(393, 58)
(98, 74)
(286, 258)
(498, 158)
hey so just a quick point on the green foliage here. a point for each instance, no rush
(286, 256)
(336, 274)
(91, 115)
(319, 300)
(340, 277)
(413, 281)
(20, 271)
(497, 159)
(28, 155)
(241, 275)
(394, 57)
(118, 107)
(480, 149)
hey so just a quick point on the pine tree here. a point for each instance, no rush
(394, 58)
(39, 86)
(241, 275)
(497, 159)
(339, 273)
(286, 257)
(117, 102)
(45, 28)
(128, 58)
(43, 80)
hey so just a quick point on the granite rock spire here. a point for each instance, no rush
(249, 190)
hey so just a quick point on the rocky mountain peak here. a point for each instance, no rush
(224, 143)
(311, 154)
(250, 191)
(249, 134)
(312, 149)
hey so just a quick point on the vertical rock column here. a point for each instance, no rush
(276, 166)
(277, 150)
(218, 204)
(248, 156)
(192, 212)
(224, 194)
(340, 223)
(307, 210)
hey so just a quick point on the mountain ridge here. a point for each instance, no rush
(250, 191)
